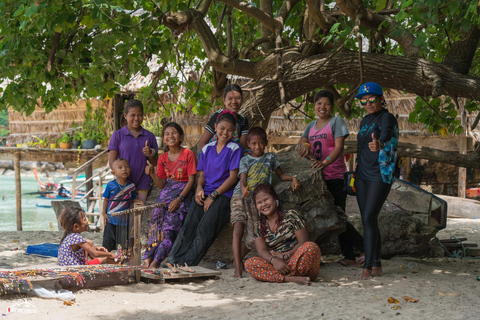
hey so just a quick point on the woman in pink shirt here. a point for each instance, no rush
(323, 141)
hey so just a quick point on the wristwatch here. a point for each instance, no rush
(213, 195)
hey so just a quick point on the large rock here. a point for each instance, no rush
(403, 234)
(324, 220)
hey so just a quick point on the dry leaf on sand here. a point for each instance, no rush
(449, 294)
(408, 299)
(396, 307)
(392, 300)
(68, 303)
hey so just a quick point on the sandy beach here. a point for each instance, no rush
(446, 288)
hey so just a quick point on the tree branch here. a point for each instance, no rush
(205, 7)
(374, 20)
(256, 13)
(53, 51)
(254, 44)
(470, 160)
(320, 20)
(461, 53)
(194, 20)
(284, 11)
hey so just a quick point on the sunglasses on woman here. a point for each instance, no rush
(372, 100)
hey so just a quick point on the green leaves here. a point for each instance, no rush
(438, 115)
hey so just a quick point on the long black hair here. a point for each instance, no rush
(267, 188)
(177, 127)
(68, 218)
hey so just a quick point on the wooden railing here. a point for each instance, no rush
(97, 187)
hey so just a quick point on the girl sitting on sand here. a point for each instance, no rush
(281, 240)
(74, 249)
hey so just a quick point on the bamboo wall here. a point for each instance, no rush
(55, 123)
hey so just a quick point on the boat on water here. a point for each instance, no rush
(44, 201)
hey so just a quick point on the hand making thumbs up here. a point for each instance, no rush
(146, 150)
(375, 144)
(149, 169)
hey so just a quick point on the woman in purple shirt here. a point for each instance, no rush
(210, 210)
(135, 144)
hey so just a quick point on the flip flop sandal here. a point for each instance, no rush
(360, 261)
(345, 263)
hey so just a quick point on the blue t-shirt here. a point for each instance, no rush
(377, 166)
(119, 198)
(217, 167)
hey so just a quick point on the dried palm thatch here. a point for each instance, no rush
(52, 125)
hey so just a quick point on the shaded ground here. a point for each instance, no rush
(446, 289)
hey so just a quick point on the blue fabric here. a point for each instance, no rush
(377, 166)
(119, 198)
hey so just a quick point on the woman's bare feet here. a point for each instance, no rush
(346, 262)
(146, 264)
(366, 274)
(239, 268)
(377, 271)
(153, 265)
(300, 280)
(360, 261)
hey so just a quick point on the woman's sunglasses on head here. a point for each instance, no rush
(371, 100)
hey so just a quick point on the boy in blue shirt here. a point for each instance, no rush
(254, 169)
(119, 195)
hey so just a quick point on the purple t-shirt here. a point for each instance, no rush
(68, 257)
(217, 167)
(130, 148)
(323, 143)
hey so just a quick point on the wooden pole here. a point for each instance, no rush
(137, 259)
(462, 172)
(100, 200)
(407, 166)
(18, 189)
(89, 185)
(462, 148)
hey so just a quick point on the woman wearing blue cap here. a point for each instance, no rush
(377, 154)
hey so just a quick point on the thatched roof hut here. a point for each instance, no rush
(52, 125)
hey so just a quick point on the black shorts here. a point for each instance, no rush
(114, 235)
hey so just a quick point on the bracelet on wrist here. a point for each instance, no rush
(210, 196)
(306, 144)
(181, 197)
(153, 153)
(272, 258)
(329, 159)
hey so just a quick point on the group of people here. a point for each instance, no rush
(235, 185)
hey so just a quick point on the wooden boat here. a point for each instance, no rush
(405, 196)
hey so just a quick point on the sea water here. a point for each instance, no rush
(33, 218)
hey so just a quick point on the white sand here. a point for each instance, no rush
(446, 288)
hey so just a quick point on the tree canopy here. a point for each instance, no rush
(60, 50)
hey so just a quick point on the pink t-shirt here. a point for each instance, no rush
(323, 143)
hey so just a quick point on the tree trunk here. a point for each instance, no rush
(471, 160)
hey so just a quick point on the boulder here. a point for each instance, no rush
(402, 233)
